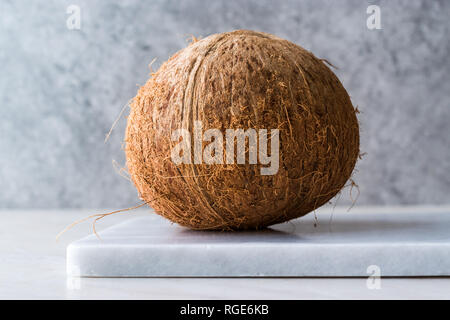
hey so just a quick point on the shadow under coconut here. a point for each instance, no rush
(265, 234)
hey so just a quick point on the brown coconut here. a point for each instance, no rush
(242, 79)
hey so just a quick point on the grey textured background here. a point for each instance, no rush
(60, 90)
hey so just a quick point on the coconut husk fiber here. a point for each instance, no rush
(242, 79)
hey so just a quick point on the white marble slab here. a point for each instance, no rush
(397, 243)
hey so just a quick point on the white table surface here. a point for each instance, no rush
(32, 266)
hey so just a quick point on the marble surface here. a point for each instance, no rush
(415, 243)
(61, 89)
(33, 266)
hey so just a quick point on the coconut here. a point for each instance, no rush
(250, 81)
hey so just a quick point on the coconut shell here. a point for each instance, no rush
(242, 79)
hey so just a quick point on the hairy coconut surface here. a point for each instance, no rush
(242, 79)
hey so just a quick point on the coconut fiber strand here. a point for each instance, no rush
(242, 79)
